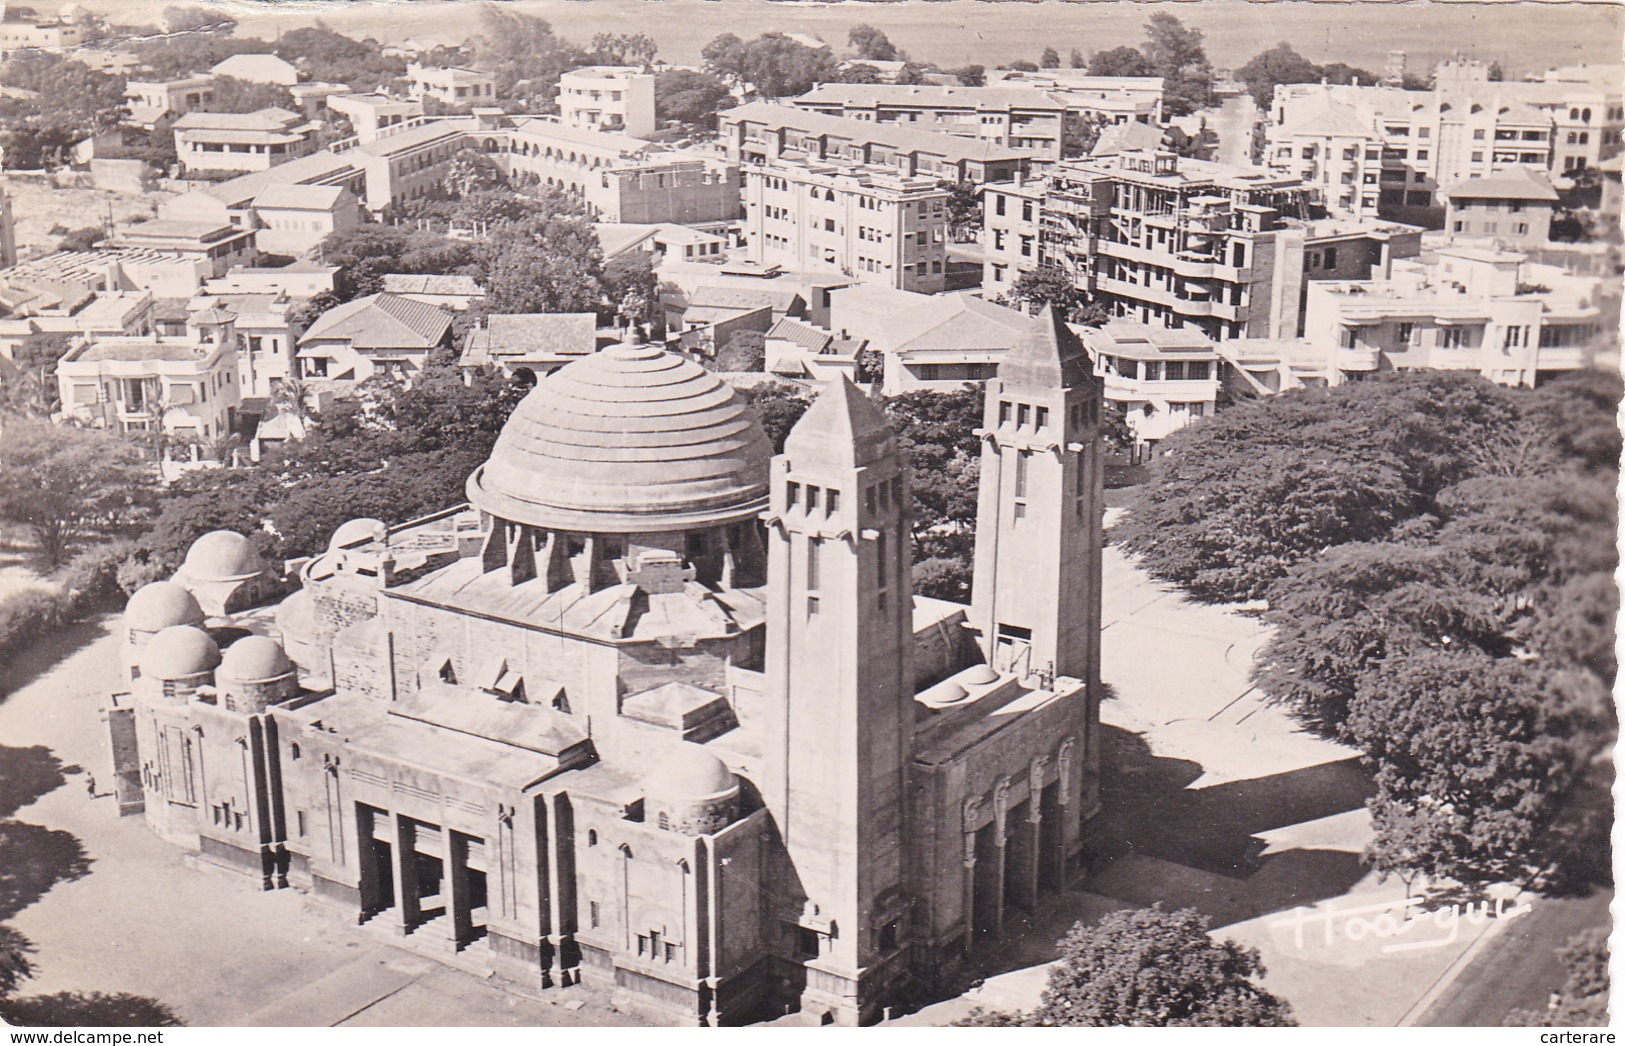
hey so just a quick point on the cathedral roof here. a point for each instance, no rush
(632, 439)
(690, 773)
(178, 652)
(221, 555)
(159, 605)
(1048, 356)
(843, 427)
(254, 659)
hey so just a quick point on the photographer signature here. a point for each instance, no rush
(1411, 917)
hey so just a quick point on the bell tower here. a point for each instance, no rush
(1035, 596)
(840, 698)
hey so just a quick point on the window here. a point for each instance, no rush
(880, 558)
(1331, 257)
(813, 551)
(593, 914)
(1021, 472)
(592, 837)
(834, 502)
(1453, 338)
(1004, 413)
(299, 817)
(1043, 417)
(998, 204)
(1024, 414)
(643, 944)
(1514, 338)
(812, 498)
(293, 751)
(1407, 331)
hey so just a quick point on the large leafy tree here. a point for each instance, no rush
(67, 484)
(690, 97)
(1176, 54)
(1120, 61)
(870, 44)
(1280, 64)
(775, 65)
(1150, 968)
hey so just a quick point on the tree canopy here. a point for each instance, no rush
(1150, 968)
(1281, 64)
(870, 44)
(1119, 61)
(774, 64)
(1176, 54)
(67, 484)
(691, 97)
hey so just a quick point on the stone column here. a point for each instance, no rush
(972, 809)
(1001, 810)
(1063, 772)
(404, 855)
(460, 928)
(1035, 828)
(555, 917)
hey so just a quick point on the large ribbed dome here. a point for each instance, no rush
(630, 439)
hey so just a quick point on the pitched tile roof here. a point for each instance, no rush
(381, 321)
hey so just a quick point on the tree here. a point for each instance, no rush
(780, 67)
(859, 73)
(526, 55)
(1075, 59)
(1582, 1002)
(232, 95)
(870, 44)
(964, 209)
(1047, 285)
(28, 385)
(181, 19)
(1175, 53)
(336, 58)
(623, 49)
(725, 56)
(65, 484)
(1342, 73)
(1495, 75)
(1278, 65)
(746, 352)
(971, 76)
(778, 407)
(1471, 756)
(1120, 61)
(1050, 59)
(631, 289)
(15, 965)
(1021, 65)
(1080, 132)
(869, 366)
(690, 97)
(1151, 968)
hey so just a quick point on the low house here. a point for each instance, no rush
(713, 314)
(258, 69)
(293, 219)
(536, 342)
(799, 350)
(372, 114)
(149, 101)
(301, 279)
(674, 242)
(379, 335)
(927, 341)
(453, 85)
(214, 248)
(456, 293)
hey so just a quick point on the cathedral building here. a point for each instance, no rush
(657, 710)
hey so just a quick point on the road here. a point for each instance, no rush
(1520, 969)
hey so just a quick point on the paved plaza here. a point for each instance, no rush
(1213, 800)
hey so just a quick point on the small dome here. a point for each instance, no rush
(222, 555)
(159, 605)
(690, 773)
(178, 652)
(254, 659)
(978, 675)
(357, 531)
(631, 439)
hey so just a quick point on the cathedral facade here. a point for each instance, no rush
(657, 710)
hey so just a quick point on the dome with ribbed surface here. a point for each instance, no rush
(632, 439)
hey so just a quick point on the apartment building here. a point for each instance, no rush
(294, 219)
(1161, 379)
(618, 98)
(265, 336)
(871, 224)
(54, 35)
(1380, 150)
(1117, 99)
(1169, 241)
(1493, 313)
(452, 85)
(760, 132)
(1512, 209)
(241, 142)
(212, 248)
(1022, 118)
(187, 386)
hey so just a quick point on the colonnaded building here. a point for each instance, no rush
(657, 710)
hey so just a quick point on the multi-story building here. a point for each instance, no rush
(294, 219)
(619, 98)
(1030, 117)
(265, 336)
(1513, 209)
(55, 35)
(254, 141)
(1115, 99)
(803, 787)
(452, 85)
(380, 335)
(187, 387)
(151, 101)
(372, 114)
(760, 132)
(1170, 241)
(1384, 150)
(935, 342)
(1161, 379)
(868, 223)
(1490, 312)
(213, 248)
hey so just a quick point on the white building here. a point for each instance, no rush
(186, 386)
(1490, 312)
(453, 85)
(1161, 378)
(265, 336)
(258, 69)
(151, 100)
(926, 342)
(871, 224)
(372, 114)
(293, 219)
(254, 141)
(609, 98)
